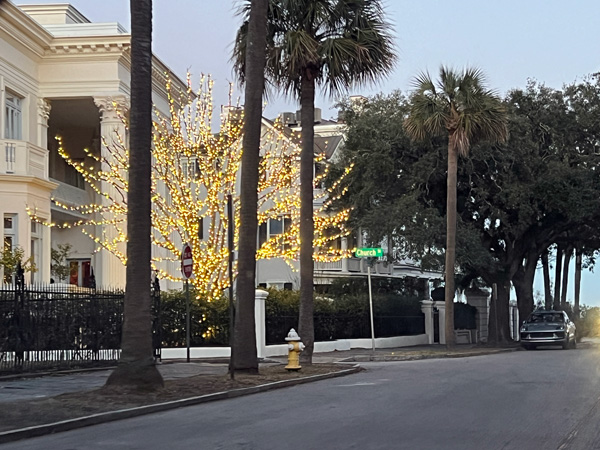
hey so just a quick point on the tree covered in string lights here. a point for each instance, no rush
(193, 171)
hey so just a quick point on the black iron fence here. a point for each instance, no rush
(55, 326)
(49, 327)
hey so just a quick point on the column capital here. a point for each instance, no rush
(259, 294)
(44, 107)
(112, 107)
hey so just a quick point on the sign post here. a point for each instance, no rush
(371, 254)
(231, 248)
(187, 270)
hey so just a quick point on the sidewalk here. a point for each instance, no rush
(48, 385)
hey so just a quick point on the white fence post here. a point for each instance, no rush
(480, 299)
(259, 320)
(441, 306)
(427, 308)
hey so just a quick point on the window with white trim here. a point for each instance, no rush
(80, 271)
(13, 120)
(273, 227)
(10, 232)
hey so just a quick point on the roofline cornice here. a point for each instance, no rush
(23, 28)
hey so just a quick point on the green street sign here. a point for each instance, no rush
(369, 252)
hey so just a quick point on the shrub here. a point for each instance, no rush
(209, 320)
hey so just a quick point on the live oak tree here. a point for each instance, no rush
(514, 200)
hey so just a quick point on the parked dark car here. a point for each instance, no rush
(548, 328)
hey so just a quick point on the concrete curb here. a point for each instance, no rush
(95, 419)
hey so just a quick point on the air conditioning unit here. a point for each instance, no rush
(317, 115)
(288, 118)
(318, 118)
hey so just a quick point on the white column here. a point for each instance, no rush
(260, 322)
(480, 298)
(427, 308)
(108, 268)
(441, 306)
(42, 129)
(344, 260)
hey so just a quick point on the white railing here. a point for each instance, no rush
(383, 268)
(334, 265)
(354, 265)
(23, 158)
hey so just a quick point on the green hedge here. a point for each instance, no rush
(209, 320)
(340, 313)
(343, 312)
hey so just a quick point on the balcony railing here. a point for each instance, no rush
(354, 265)
(334, 265)
(23, 158)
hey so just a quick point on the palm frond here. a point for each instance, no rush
(340, 42)
(460, 105)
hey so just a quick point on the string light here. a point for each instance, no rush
(193, 171)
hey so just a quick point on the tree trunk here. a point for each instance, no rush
(578, 258)
(306, 319)
(565, 276)
(136, 367)
(499, 331)
(244, 354)
(523, 283)
(450, 243)
(557, 277)
(547, 286)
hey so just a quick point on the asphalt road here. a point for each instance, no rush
(545, 399)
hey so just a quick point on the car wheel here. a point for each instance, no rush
(574, 343)
(566, 344)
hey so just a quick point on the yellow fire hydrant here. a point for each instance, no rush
(294, 349)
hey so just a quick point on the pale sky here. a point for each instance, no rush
(552, 41)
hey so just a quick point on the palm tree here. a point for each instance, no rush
(331, 43)
(461, 107)
(136, 366)
(244, 356)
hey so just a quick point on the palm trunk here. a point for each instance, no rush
(578, 258)
(306, 320)
(136, 366)
(565, 276)
(245, 358)
(557, 276)
(450, 242)
(547, 287)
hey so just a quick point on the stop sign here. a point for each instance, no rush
(187, 261)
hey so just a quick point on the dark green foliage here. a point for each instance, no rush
(513, 200)
(464, 317)
(59, 267)
(588, 324)
(343, 312)
(209, 320)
